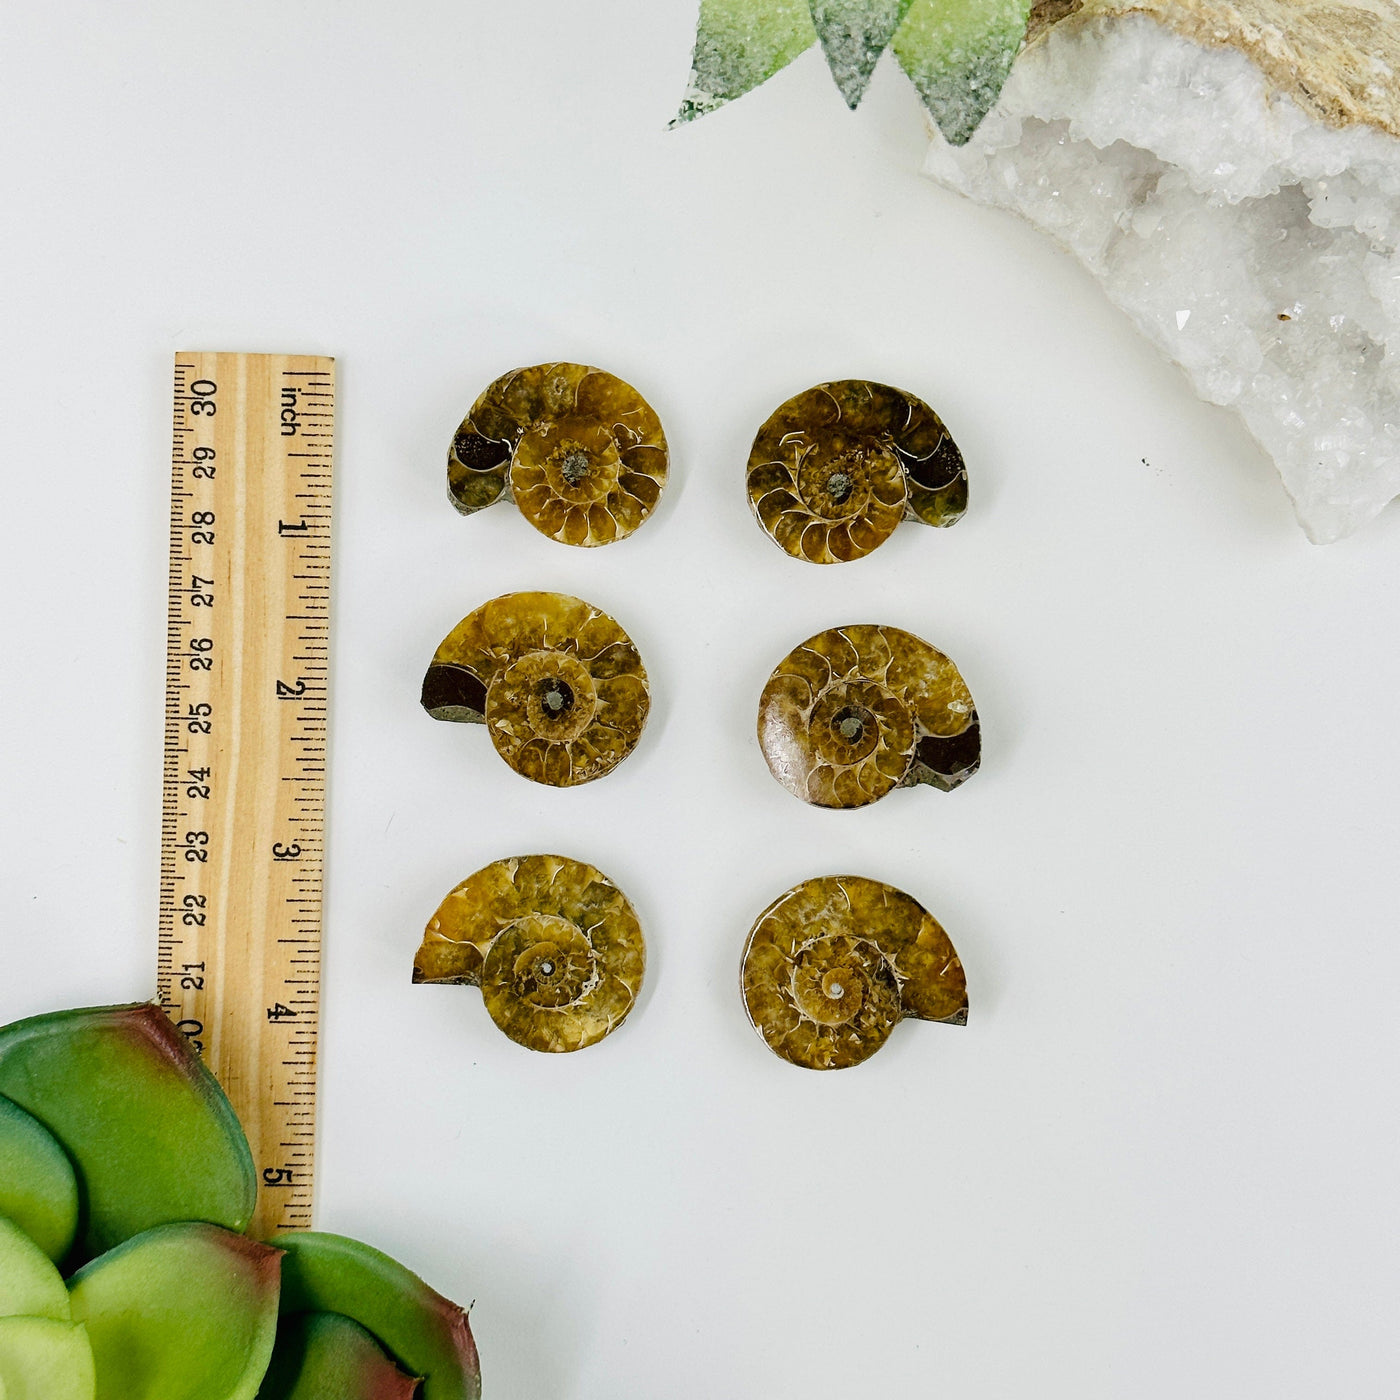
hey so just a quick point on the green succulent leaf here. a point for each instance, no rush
(740, 44)
(41, 1359)
(149, 1131)
(181, 1312)
(958, 53)
(324, 1356)
(853, 34)
(30, 1286)
(38, 1190)
(427, 1334)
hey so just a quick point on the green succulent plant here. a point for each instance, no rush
(120, 1152)
(30, 1285)
(957, 53)
(325, 1356)
(428, 1334)
(212, 1296)
(41, 1359)
(152, 1137)
(38, 1189)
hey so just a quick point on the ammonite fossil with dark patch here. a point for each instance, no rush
(832, 966)
(558, 684)
(553, 944)
(856, 711)
(580, 452)
(836, 468)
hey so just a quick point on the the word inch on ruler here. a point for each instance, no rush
(243, 821)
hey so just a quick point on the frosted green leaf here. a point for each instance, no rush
(958, 53)
(38, 1189)
(41, 1359)
(182, 1312)
(854, 33)
(30, 1285)
(151, 1136)
(740, 44)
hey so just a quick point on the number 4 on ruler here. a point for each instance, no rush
(247, 658)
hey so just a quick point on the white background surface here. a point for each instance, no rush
(1161, 1160)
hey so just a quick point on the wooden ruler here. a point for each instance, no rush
(242, 831)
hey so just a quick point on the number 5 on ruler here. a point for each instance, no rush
(243, 817)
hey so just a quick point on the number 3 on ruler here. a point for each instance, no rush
(248, 629)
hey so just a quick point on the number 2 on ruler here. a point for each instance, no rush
(243, 817)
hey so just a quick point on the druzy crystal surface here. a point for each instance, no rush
(1252, 242)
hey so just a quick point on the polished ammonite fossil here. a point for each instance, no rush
(558, 684)
(856, 711)
(553, 944)
(835, 469)
(832, 966)
(578, 450)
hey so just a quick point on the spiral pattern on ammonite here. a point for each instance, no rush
(554, 945)
(558, 684)
(856, 711)
(581, 452)
(836, 468)
(833, 965)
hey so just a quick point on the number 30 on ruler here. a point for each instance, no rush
(243, 819)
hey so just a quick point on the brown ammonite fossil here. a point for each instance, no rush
(553, 944)
(832, 966)
(856, 711)
(836, 468)
(578, 450)
(558, 684)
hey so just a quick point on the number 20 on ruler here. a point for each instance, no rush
(243, 820)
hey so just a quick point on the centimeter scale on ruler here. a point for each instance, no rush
(243, 817)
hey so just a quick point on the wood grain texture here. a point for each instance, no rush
(242, 839)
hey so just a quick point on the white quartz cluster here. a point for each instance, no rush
(1254, 245)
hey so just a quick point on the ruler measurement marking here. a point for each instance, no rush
(226, 892)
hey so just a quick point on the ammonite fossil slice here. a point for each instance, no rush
(836, 468)
(558, 684)
(553, 944)
(580, 452)
(856, 711)
(834, 964)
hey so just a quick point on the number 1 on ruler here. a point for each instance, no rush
(243, 815)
